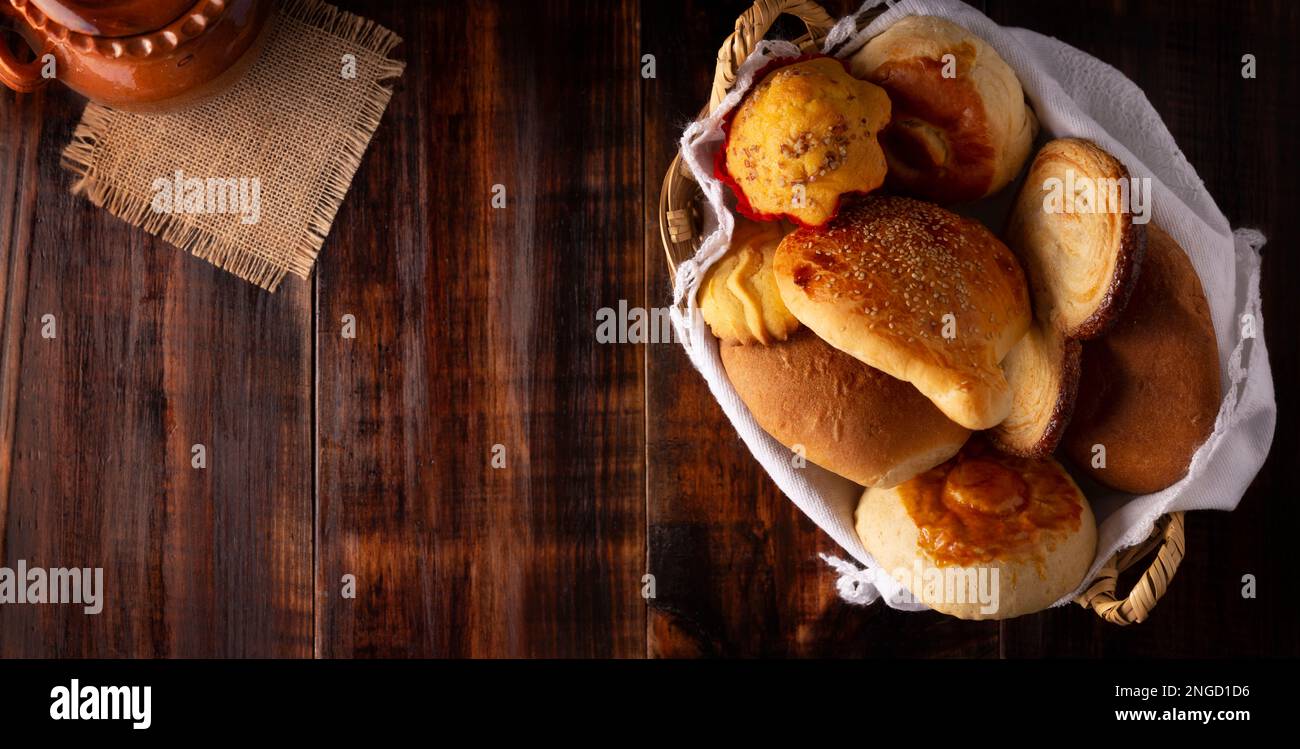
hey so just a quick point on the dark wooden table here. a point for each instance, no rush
(372, 456)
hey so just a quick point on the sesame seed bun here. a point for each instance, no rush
(916, 291)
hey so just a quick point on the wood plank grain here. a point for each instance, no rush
(155, 351)
(475, 328)
(19, 141)
(1239, 135)
(735, 562)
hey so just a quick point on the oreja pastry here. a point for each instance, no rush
(983, 536)
(738, 296)
(961, 129)
(850, 419)
(801, 139)
(1083, 253)
(917, 292)
(1043, 371)
(1149, 392)
(1082, 256)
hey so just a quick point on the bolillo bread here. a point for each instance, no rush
(917, 292)
(952, 139)
(1150, 390)
(849, 418)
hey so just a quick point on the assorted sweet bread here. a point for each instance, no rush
(914, 352)
(961, 129)
(803, 138)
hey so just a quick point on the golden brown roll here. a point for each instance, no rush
(983, 536)
(738, 296)
(917, 292)
(851, 419)
(801, 139)
(1081, 264)
(951, 139)
(1149, 391)
(1043, 371)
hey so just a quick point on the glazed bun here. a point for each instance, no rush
(849, 418)
(954, 138)
(1149, 392)
(1016, 528)
(802, 138)
(738, 296)
(917, 292)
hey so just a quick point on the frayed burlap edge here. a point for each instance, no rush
(79, 158)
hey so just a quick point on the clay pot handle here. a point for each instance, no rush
(23, 77)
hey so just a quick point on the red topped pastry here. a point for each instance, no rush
(803, 138)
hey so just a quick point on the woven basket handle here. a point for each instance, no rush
(751, 27)
(1100, 596)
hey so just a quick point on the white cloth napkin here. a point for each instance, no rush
(1073, 94)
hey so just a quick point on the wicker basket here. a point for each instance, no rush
(679, 222)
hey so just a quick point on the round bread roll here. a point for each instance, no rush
(1149, 390)
(801, 139)
(738, 296)
(849, 418)
(961, 129)
(915, 291)
(983, 536)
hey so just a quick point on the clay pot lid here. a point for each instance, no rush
(195, 18)
(113, 18)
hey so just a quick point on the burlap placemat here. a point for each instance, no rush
(251, 179)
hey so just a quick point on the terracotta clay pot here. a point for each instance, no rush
(150, 55)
